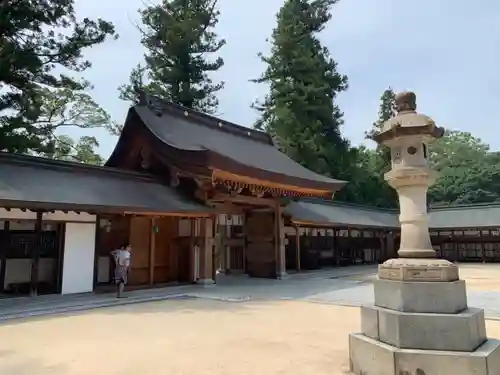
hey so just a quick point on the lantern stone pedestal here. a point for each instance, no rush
(420, 323)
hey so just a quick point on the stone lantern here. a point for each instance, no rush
(420, 323)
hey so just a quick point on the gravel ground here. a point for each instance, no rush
(186, 337)
(207, 335)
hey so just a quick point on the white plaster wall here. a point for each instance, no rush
(79, 250)
(19, 271)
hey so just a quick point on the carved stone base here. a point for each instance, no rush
(418, 269)
(372, 357)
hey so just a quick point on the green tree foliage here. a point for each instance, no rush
(468, 171)
(367, 185)
(38, 39)
(179, 39)
(61, 109)
(386, 111)
(300, 111)
(83, 151)
(67, 108)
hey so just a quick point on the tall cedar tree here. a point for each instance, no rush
(299, 110)
(179, 36)
(369, 183)
(36, 39)
(386, 111)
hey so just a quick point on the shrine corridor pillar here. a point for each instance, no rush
(206, 242)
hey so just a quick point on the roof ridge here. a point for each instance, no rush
(159, 106)
(44, 162)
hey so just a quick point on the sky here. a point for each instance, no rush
(446, 51)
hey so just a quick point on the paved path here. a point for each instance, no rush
(343, 286)
(350, 286)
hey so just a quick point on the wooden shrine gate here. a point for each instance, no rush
(260, 252)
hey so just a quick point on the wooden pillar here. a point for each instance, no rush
(455, 246)
(279, 242)
(297, 247)
(35, 256)
(335, 253)
(3, 255)
(383, 250)
(227, 250)
(192, 250)
(245, 231)
(352, 250)
(215, 265)
(481, 239)
(152, 250)
(276, 242)
(206, 252)
(61, 229)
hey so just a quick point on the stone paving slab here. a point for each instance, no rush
(351, 286)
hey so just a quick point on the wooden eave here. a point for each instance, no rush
(93, 210)
(311, 224)
(259, 187)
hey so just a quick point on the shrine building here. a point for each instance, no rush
(195, 195)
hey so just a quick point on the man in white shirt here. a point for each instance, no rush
(122, 263)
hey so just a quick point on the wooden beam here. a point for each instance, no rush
(175, 214)
(35, 256)
(228, 208)
(152, 252)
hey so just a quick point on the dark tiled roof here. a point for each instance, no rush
(465, 216)
(335, 214)
(30, 182)
(242, 146)
(341, 214)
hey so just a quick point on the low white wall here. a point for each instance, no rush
(79, 250)
(19, 271)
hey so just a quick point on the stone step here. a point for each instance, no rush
(371, 357)
(421, 297)
(465, 331)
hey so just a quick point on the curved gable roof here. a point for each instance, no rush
(229, 147)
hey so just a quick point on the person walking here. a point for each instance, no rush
(122, 264)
